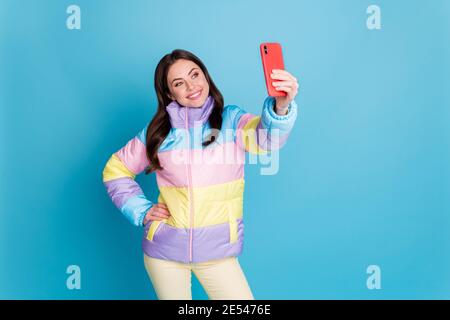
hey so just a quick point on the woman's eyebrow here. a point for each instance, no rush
(188, 74)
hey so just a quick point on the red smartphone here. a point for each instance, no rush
(272, 58)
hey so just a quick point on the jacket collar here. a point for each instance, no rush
(196, 116)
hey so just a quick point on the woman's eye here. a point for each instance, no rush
(178, 84)
(194, 75)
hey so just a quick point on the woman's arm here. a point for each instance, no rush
(119, 179)
(270, 131)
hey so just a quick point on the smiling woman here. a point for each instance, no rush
(181, 81)
(197, 223)
(190, 90)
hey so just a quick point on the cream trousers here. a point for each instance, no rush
(222, 279)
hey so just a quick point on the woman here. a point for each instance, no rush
(197, 223)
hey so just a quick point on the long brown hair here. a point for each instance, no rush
(160, 126)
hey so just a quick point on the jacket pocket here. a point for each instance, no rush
(233, 231)
(154, 226)
(233, 225)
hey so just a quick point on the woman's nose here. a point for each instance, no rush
(189, 86)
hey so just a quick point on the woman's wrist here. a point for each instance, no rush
(281, 111)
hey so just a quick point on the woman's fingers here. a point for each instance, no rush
(153, 217)
(161, 207)
(288, 84)
(282, 75)
(281, 71)
(159, 212)
(286, 89)
(285, 84)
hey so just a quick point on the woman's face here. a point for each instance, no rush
(187, 83)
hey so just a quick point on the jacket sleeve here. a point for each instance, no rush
(269, 131)
(119, 179)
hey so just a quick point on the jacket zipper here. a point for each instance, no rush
(189, 181)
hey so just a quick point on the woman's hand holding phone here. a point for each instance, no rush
(284, 81)
(281, 85)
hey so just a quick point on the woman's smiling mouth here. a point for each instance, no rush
(195, 95)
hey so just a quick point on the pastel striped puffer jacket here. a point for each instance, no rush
(202, 187)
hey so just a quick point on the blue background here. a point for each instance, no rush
(364, 178)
